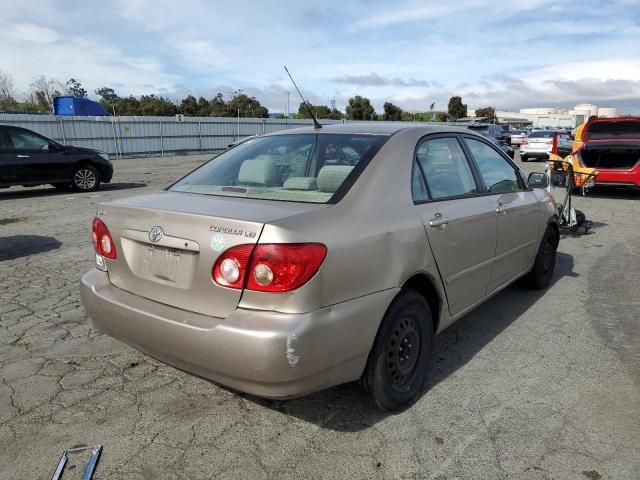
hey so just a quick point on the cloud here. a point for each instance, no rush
(505, 54)
(375, 80)
(399, 16)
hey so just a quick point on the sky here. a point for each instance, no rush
(505, 54)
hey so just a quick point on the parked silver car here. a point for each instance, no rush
(313, 257)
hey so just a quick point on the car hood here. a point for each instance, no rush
(73, 149)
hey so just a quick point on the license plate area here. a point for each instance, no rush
(163, 265)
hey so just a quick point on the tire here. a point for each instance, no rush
(524, 158)
(85, 178)
(542, 271)
(393, 378)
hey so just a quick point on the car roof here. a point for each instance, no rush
(373, 128)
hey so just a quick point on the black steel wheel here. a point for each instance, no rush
(396, 369)
(85, 178)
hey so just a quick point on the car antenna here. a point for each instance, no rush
(306, 104)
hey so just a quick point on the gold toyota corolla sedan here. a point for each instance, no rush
(313, 257)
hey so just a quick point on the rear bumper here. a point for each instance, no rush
(534, 153)
(269, 354)
(618, 178)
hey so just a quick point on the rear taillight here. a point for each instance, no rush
(524, 142)
(549, 142)
(231, 267)
(272, 267)
(102, 241)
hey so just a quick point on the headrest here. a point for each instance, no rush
(259, 171)
(300, 183)
(331, 177)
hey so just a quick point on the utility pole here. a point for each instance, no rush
(288, 111)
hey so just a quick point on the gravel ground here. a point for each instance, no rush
(531, 385)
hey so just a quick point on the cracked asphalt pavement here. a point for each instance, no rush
(531, 385)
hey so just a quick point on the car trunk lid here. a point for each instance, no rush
(167, 244)
(610, 154)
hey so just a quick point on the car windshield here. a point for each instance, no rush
(542, 134)
(315, 168)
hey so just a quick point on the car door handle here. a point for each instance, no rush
(500, 210)
(22, 156)
(438, 221)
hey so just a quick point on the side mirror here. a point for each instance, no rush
(538, 180)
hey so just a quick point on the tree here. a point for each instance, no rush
(45, 90)
(359, 108)
(320, 111)
(7, 91)
(203, 107)
(392, 112)
(246, 105)
(488, 112)
(108, 97)
(335, 114)
(74, 88)
(456, 108)
(126, 106)
(157, 106)
(217, 106)
(441, 117)
(189, 106)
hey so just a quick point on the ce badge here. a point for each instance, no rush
(155, 234)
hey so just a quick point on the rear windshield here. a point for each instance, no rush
(541, 134)
(315, 168)
(605, 130)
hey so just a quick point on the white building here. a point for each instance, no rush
(552, 116)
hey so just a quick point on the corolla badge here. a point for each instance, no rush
(155, 234)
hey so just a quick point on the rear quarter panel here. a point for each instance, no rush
(375, 239)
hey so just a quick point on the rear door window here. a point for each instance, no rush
(445, 168)
(498, 174)
(25, 140)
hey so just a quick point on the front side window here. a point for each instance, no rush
(296, 168)
(446, 170)
(498, 174)
(24, 140)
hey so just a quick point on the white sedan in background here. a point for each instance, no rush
(539, 144)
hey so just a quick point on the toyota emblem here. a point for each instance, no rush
(155, 234)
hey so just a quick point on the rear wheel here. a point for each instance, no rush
(85, 178)
(396, 370)
(542, 271)
(524, 158)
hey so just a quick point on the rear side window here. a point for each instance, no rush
(498, 174)
(315, 168)
(4, 142)
(445, 168)
(25, 140)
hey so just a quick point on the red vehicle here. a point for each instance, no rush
(612, 146)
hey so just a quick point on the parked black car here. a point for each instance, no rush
(495, 133)
(29, 159)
